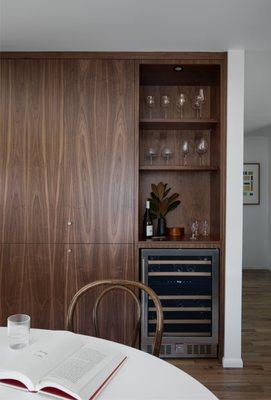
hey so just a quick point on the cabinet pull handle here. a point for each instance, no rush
(69, 223)
(69, 251)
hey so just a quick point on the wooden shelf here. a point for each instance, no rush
(181, 124)
(177, 168)
(210, 242)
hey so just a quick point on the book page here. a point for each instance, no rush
(83, 370)
(75, 367)
(42, 356)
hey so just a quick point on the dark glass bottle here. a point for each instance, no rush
(147, 223)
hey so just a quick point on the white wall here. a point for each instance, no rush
(234, 212)
(257, 92)
(256, 233)
(269, 200)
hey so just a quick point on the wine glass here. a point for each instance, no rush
(199, 100)
(194, 230)
(180, 103)
(201, 148)
(205, 228)
(150, 102)
(186, 150)
(165, 103)
(166, 154)
(151, 154)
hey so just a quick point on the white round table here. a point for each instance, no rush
(142, 377)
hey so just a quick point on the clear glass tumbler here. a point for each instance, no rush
(18, 331)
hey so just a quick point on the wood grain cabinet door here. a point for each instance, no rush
(91, 262)
(99, 150)
(31, 151)
(13, 152)
(32, 281)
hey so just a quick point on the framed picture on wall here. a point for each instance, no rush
(251, 184)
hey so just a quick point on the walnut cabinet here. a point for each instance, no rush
(74, 174)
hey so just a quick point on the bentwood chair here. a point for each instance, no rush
(125, 285)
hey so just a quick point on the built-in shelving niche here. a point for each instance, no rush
(197, 182)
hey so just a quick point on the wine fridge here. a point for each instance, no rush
(186, 281)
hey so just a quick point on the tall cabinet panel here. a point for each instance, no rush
(99, 151)
(67, 145)
(90, 262)
(31, 150)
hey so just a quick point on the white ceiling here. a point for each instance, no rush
(151, 25)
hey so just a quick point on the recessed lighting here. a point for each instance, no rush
(178, 68)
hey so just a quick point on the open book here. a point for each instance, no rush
(60, 364)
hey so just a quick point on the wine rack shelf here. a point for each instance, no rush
(186, 281)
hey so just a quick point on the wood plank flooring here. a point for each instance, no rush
(253, 382)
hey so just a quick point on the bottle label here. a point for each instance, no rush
(149, 230)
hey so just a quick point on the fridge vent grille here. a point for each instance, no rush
(164, 350)
(199, 349)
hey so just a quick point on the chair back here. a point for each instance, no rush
(125, 285)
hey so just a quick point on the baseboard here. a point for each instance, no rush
(232, 362)
(255, 267)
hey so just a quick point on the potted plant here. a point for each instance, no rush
(161, 205)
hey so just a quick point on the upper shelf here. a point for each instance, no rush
(177, 168)
(191, 75)
(182, 124)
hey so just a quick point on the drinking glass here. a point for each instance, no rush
(180, 103)
(150, 102)
(199, 100)
(18, 331)
(194, 230)
(205, 228)
(166, 154)
(165, 103)
(151, 154)
(186, 150)
(201, 148)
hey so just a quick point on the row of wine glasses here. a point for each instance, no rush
(165, 102)
(199, 228)
(187, 148)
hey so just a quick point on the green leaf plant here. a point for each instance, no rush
(160, 204)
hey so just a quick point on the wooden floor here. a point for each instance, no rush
(253, 382)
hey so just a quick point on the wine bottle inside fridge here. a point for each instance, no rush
(147, 223)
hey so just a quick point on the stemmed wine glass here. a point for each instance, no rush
(165, 103)
(180, 103)
(151, 154)
(194, 230)
(150, 102)
(186, 150)
(205, 228)
(201, 148)
(199, 100)
(166, 154)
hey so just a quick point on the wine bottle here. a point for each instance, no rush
(147, 223)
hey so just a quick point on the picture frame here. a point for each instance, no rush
(251, 184)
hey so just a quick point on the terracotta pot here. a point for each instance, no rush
(175, 232)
